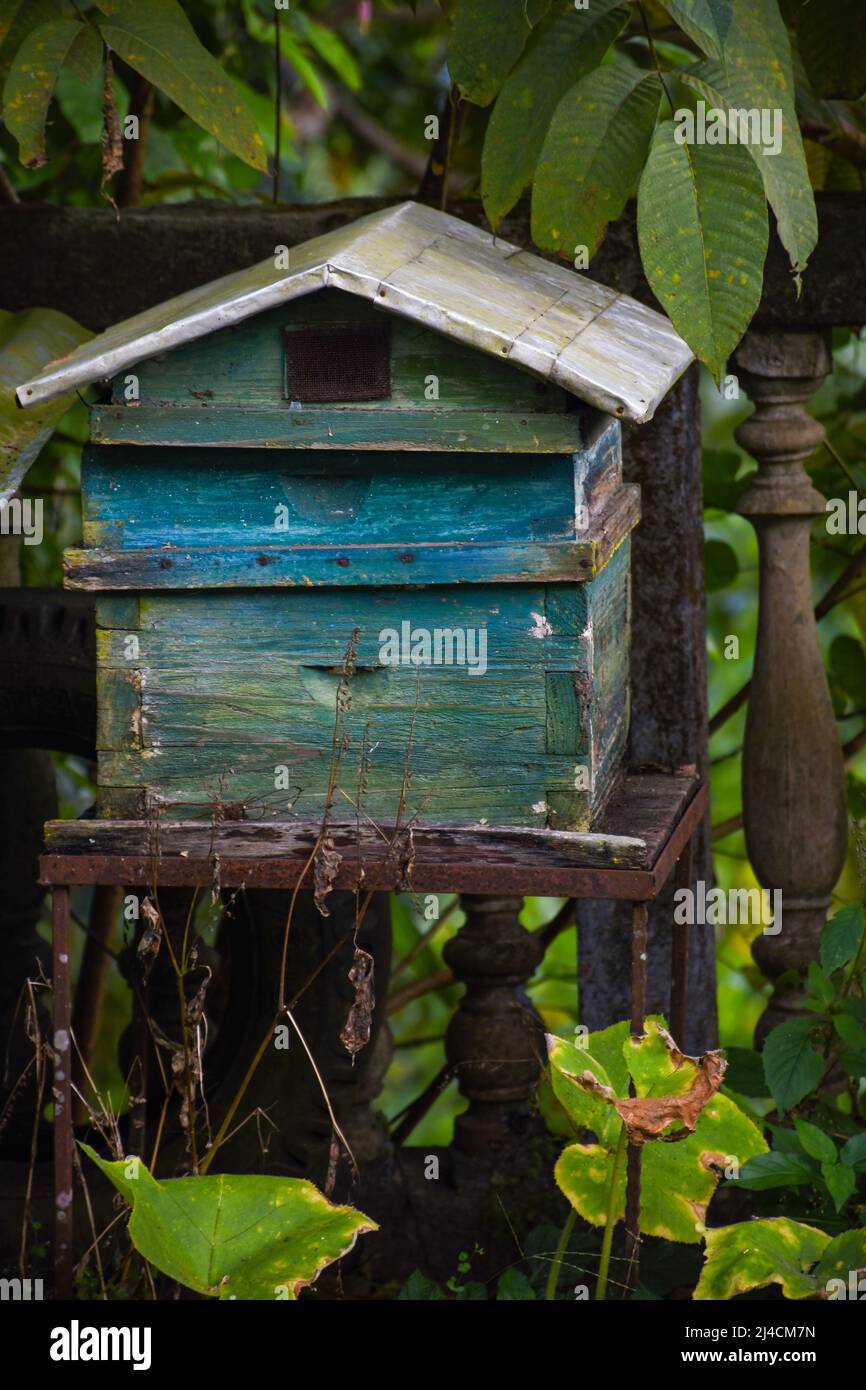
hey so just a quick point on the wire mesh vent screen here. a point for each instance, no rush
(338, 362)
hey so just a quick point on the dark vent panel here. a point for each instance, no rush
(338, 362)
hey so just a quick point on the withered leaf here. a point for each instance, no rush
(649, 1117)
(359, 1022)
(151, 937)
(111, 138)
(325, 865)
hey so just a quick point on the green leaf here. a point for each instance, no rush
(487, 39)
(158, 41)
(755, 1254)
(513, 1285)
(705, 21)
(844, 1253)
(745, 1072)
(703, 234)
(722, 487)
(721, 565)
(831, 44)
(419, 1289)
(330, 48)
(586, 1110)
(848, 667)
(27, 341)
(234, 1236)
(30, 86)
(758, 75)
(853, 1151)
(568, 44)
(820, 985)
(592, 156)
(841, 936)
(816, 1143)
(473, 1292)
(850, 1031)
(678, 1179)
(18, 18)
(841, 1182)
(86, 55)
(792, 1066)
(766, 1171)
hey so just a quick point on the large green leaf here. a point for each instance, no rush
(330, 48)
(27, 341)
(487, 39)
(791, 1065)
(592, 156)
(845, 1253)
(566, 46)
(758, 75)
(18, 18)
(678, 1178)
(841, 936)
(705, 21)
(777, 1169)
(85, 56)
(832, 44)
(755, 1254)
(30, 85)
(158, 41)
(815, 1142)
(703, 233)
(234, 1237)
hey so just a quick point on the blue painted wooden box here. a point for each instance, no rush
(345, 557)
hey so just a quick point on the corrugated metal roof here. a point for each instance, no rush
(426, 265)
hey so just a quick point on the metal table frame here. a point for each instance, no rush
(474, 860)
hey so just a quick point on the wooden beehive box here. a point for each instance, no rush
(403, 446)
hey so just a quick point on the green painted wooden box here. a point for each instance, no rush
(344, 556)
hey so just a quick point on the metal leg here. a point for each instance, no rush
(63, 1129)
(638, 1014)
(680, 955)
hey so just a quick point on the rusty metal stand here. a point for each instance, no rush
(613, 864)
(680, 954)
(62, 1092)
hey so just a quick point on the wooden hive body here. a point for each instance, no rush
(218, 674)
(354, 544)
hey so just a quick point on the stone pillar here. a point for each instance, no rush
(495, 1040)
(794, 806)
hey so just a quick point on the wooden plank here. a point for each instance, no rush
(120, 611)
(486, 780)
(485, 431)
(268, 566)
(638, 823)
(119, 713)
(150, 497)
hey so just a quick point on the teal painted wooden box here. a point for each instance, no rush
(346, 557)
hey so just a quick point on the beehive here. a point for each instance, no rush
(359, 535)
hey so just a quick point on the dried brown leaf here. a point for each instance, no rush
(359, 1022)
(325, 866)
(649, 1117)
